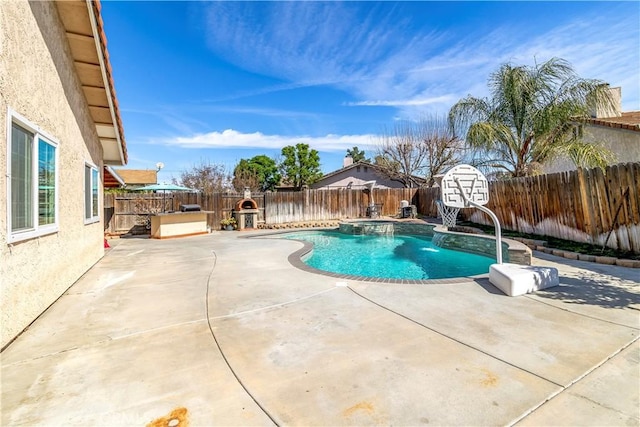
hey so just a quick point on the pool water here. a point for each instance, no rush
(389, 257)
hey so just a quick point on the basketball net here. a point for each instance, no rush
(447, 214)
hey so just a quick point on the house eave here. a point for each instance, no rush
(85, 34)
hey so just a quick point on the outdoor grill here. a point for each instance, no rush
(190, 208)
(407, 210)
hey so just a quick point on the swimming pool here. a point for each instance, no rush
(400, 257)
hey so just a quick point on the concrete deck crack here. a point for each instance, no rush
(562, 388)
(455, 339)
(222, 354)
(531, 298)
(281, 304)
(574, 382)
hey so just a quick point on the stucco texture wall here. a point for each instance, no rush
(38, 81)
(356, 178)
(625, 145)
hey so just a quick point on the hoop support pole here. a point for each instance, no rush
(493, 217)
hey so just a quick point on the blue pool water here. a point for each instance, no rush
(389, 257)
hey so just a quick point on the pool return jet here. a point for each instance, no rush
(464, 186)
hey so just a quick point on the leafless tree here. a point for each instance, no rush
(417, 151)
(246, 179)
(206, 177)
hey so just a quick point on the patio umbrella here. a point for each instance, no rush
(164, 188)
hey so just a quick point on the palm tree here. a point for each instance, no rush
(533, 116)
(357, 155)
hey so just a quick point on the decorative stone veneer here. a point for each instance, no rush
(419, 228)
(306, 224)
(512, 251)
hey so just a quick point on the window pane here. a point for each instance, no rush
(21, 178)
(46, 183)
(87, 192)
(94, 182)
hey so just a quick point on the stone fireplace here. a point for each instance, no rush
(245, 212)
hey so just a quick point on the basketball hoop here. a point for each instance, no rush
(464, 186)
(448, 215)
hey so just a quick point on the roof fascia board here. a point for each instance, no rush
(115, 175)
(105, 77)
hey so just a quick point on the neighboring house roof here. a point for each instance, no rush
(138, 176)
(85, 33)
(629, 120)
(112, 179)
(353, 167)
(344, 169)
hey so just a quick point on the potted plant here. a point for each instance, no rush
(229, 223)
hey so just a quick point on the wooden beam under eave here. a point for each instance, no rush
(100, 114)
(83, 48)
(89, 74)
(75, 16)
(106, 130)
(96, 97)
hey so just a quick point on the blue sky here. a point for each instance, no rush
(221, 81)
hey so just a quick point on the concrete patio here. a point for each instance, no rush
(222, 330)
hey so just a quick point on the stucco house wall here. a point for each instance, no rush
(356, 175)
(38, 81)
(624, 143)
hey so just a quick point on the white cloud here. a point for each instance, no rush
(233, 139)
(379, 63)
(403, 102)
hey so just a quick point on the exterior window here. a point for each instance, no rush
(33, 177)
(21, 182)
(91, 196)
(358, 169)
(46, 183)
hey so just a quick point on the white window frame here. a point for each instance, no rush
(37, 230)
(88, 193)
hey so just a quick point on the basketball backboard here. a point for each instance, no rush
(473, 183)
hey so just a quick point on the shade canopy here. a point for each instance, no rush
(164, 187)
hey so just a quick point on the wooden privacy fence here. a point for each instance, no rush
(587, 205)
(319, 205)
(591, 206)
(129, 212)
(125, 213)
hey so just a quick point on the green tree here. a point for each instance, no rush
(532, 116)
(357, 155)
(300, 165)
(260, 173)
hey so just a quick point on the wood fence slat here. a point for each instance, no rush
(633, 171)
(592, 193)
(625, 216)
